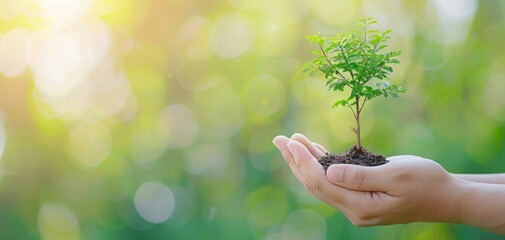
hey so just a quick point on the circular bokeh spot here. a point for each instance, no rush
(231, 35)
(178, 126)
(154, 202)
(90, 144)
(58, 222)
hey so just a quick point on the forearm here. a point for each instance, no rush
(482, 205)
(497, 178)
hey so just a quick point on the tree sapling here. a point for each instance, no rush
(357, 61)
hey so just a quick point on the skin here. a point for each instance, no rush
(408, 189)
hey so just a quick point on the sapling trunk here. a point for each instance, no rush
(358, 127)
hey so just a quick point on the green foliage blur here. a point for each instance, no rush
(130, 119)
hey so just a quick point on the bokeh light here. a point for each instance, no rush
(61, 14)
(263, 97)
(454, 18)
(493, 102)
(193, 38)
(222, 111)
(147, 144)
(212, 156)
(58, 222)
(90, 145)
(177, 125)
(154, 202)
(304, 224)
(15, 48)
(267, 206)
(231, 35)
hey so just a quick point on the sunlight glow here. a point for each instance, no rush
(64, 62)
(61, 14)
(10, 9)
(455, 18)
(15, 51)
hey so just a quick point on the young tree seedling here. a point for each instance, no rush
(358, 61)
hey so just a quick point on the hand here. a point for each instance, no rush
(407, 189)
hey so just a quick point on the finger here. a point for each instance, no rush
(321, 148)
(281, 143)
(399, 157)
(316, 181)
(360, 178)
(313, 149)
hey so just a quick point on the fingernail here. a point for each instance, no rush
(294, 134)
(335, 174)
(276, 143)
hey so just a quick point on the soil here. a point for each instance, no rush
(353, 156)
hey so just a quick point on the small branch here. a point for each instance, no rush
(337, 77)
(346, 61)
(353, 113)
(329, 62)
(374, 50)
(362, 105)
(366, 59)
(365, 30)
(373, 75)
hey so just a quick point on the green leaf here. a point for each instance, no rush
(339, 102)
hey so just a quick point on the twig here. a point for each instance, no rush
(329, 62)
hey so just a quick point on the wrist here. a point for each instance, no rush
(446, 202)
(450, 200)
(458, 193)
(482, 206)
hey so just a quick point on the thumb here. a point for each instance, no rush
(358, 177)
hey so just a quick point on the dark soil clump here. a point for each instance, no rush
(353, 156)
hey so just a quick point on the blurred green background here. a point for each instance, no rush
(136, 119)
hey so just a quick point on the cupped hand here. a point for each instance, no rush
(407, 189)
